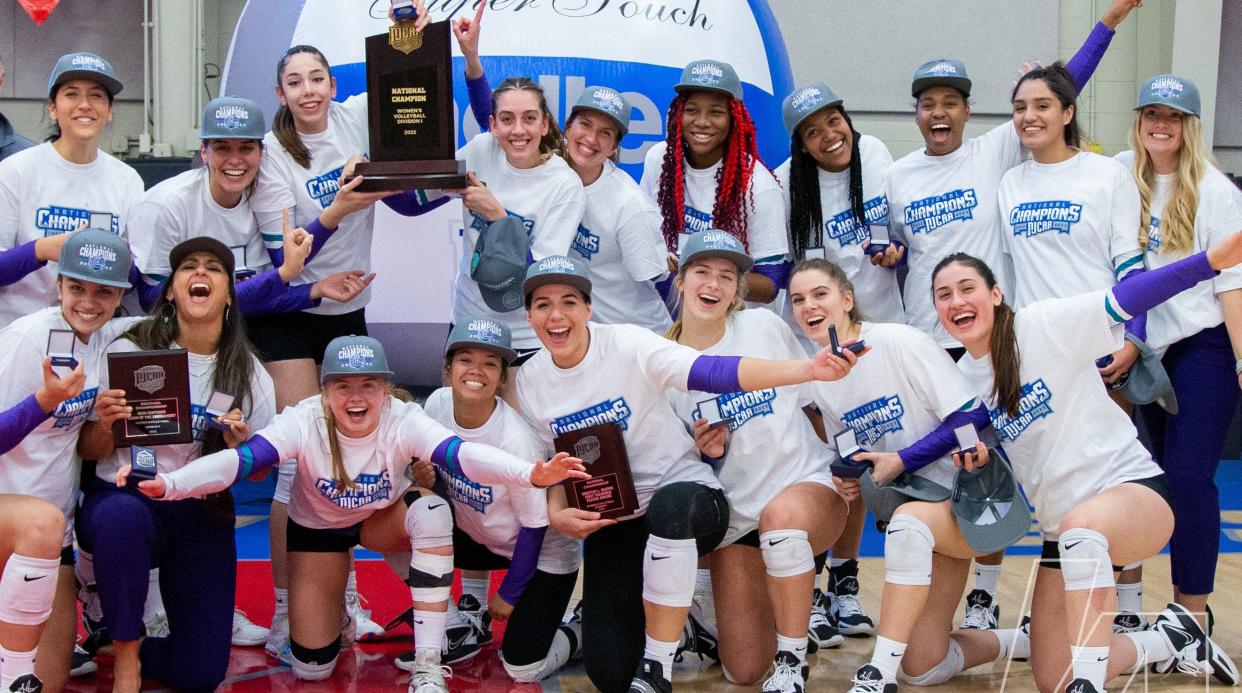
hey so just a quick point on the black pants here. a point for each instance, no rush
(613, 622)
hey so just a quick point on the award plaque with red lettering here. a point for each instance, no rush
(610, 490)
(157, 387)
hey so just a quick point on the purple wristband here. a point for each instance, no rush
(777, 272)
(255, 455)
(716, 374)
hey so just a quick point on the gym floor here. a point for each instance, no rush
(368, 666)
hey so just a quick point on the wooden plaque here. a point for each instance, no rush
(157, 386)
(610, 490)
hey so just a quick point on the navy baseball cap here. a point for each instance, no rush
(83, 66)
(482, 333)
(715, 243)
(710, 75)
(942, 72)
(1177, 93)
(804, 102)
(354, 355)
(231, 118)
(608, 101)
(498, 265)
(557, 269)
(991, 512)
(97, 256)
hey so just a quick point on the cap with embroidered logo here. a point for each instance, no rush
(354, 355)
(1177, 93)
(498, 265)
(83, 66)
(482, 333)
(231, 118)
(97, 256)
(607, 101)
(557, 269)
(710, 75)
(991, 512)
(942, 72)
(715, 243)
(804, 102)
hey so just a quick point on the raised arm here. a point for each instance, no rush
(1083, 64)
(722, 374)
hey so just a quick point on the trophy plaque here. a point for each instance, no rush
(610, 490)
(157, 388)
(410, 102)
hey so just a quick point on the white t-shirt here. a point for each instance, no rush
(1219, 215)
(547, 198)
(181, 208)
(258, 413)
(622, 379)
(284, 184)
(875, 287)
(766, 237)
(773, 444)
(940, 205)
(42, 194)
(379, 463)
(1069, 441)
(1071, 227)
(896, 394)
(46, 464)
(621, 241)
(492, 514)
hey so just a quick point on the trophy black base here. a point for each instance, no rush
(382, 176)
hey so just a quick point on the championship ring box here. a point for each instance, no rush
(847, 447)
(709, 409)
(142, 465)
(219, 405)
(60, 345)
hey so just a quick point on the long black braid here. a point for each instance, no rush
(806, 214)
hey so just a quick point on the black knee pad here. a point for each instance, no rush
(319, 655)
(689, 510)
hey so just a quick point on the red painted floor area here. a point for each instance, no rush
(367, 667)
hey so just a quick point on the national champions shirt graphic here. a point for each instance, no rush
(875, 418)
(609, 411)
(54, 220)
(741, 407)
(463, 490)
(585, 243)
(323, 188)
(930, 213)
(368, 489)
(845, 229)
(1033, 218)
(697, 221)
(73, 412)
(1153, 235)
(1035, 404)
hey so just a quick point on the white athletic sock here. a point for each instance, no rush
(794, 646)
(703, 581)
(1130, 597)
(1090, 663)
(476, 588)
(887, 657)
(14, 665)
(429, 630)
(1014, 643)
(662, 652)
(153, 610)
(1151, 646)
(835, 562)
(987, 577)
(282, 599)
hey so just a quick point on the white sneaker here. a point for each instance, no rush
(428, 675)
(364, 627)
(278, 635)
(850, 617)
(245, 633)
(982, 611)
(820, 631)
(157, 626)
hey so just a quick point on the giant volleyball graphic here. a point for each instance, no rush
(635, 46)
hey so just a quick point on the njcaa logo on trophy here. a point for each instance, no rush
(587, 449)
(149, 379)
(404, 37)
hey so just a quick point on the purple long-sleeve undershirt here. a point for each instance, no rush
(17, 422)
(717, 374)
(942, 440)
(1087, 59)
(262, 294)
(16, 263)
(319, 235)
(522, 566)
(255, 455)
(1146, 290)
(480, 100)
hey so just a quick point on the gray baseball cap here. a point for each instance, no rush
(715, 243)
(499, 263)
(83, 66)
(945, 72)
(482, 333)
(1147, 379)
(1175, 92)
(97, 256)
(710, 75)
(990, 509)
(883, 501)
(354, 355)
(805, 101)
(557, 269)
(608, 101)
(231, 118)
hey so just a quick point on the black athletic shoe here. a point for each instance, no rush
(478, 616)
(26, 684)
(789, 675)
(870, 680)
(1081, 686)
(1194, 652)
(982, 611)
(82, 664)
(1126, 622)
(650, 678)
(820, 631)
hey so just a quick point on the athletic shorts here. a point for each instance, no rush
(1050, 555)
(301, 335)
(469, 554)
(341, 540)
(741, 528)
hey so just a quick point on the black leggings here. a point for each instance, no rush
(613, 622)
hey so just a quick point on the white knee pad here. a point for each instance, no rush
(1085, 564)
(786, 552)
(948, 667)
(908, 551)
(284, 481)
(429, 522)
(668, 571)
(27, 589)
(431, 577)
